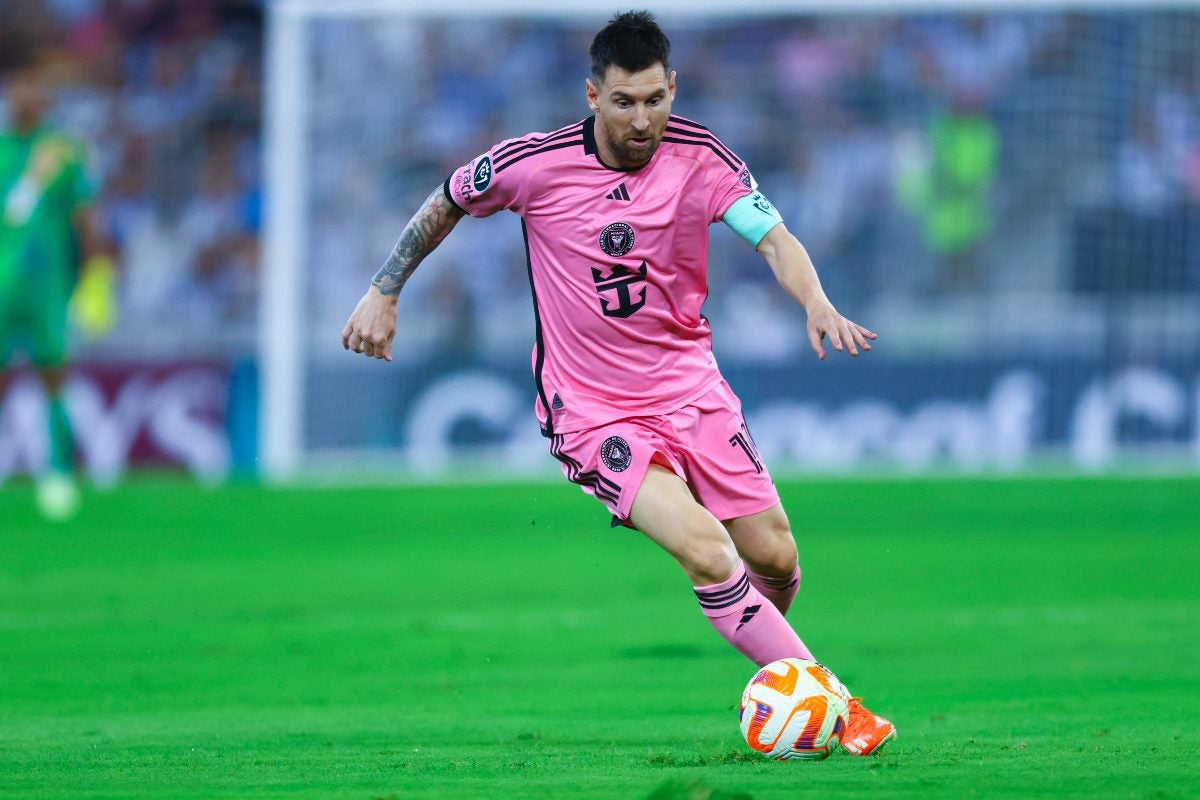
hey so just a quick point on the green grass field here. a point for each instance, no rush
(1030, 638)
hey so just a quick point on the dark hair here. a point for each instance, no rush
(632, 41)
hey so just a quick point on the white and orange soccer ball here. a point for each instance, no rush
(794, 709)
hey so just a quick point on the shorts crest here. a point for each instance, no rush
(615, 454)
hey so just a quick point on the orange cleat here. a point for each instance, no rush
(866, 733)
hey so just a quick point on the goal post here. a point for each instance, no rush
(281, 336)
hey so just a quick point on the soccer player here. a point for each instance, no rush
(615, 210)
(45, 228)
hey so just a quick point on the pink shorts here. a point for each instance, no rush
(707, 444)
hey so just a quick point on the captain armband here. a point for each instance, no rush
(752, 217)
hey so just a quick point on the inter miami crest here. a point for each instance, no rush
(615, 454)
(617, 239)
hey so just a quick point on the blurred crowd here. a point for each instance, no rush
(926, 161)
(167, 96)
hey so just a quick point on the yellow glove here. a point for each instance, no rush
(94, 303)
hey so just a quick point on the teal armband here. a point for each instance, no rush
(752, 217)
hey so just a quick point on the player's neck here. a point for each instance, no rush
(605, 152)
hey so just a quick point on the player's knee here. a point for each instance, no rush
(785, 557)
(777, 555)
(709, 559)
(778, 564)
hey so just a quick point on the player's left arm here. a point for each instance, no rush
(752, 216)
(796, 274)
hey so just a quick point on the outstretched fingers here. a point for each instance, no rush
(815, 338)
(835, 334)
(844, 336)
(861, 335)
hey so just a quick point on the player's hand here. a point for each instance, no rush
(843, 334)
(372, 326)
(94, 302)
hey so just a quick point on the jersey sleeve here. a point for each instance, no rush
(481, 190)
(729, 184)
(737, 201)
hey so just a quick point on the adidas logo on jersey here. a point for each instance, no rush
(619, 193)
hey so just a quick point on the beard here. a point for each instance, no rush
(627, 154)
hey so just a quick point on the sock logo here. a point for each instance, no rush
(748, 615)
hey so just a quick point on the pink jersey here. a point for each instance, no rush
(618, 263)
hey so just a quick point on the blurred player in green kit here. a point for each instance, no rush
(48, 248)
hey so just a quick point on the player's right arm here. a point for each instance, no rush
(372, 326)
(476, 188)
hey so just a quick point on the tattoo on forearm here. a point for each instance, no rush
(421, 235)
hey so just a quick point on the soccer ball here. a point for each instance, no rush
(794, 709)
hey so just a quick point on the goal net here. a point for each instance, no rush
(1009, 197)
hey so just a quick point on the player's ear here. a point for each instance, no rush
(671, 84)
(593, 95)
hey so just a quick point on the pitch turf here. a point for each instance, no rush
(1029, 638)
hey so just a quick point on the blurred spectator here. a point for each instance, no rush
(977, 56)
(1148, 179)
(950, 190)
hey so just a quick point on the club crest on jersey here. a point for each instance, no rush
(481, 176)
(615, 454)
(617, 239)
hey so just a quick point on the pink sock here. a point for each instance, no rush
(748, 621)
(780, 591)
